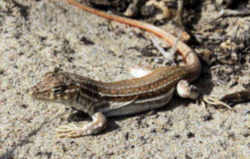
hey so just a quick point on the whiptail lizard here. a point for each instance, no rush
(104, 99)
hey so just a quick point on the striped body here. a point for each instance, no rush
(100, 99)
(112, 98)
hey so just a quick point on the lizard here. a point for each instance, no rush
(101, 100)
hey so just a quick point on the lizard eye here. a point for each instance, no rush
(59, 89)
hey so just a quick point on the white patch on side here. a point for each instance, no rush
(139, 72)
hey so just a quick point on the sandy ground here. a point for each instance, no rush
(42, 35)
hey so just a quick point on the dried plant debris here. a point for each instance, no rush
(157, 12)
(237, 97)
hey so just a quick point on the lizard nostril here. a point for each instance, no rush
(31, 91)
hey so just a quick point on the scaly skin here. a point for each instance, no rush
(100, 99)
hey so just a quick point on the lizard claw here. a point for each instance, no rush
(94, 127)
(70, 131)
(215, 101)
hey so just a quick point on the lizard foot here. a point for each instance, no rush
(94, 127)
(215, 101)
(70, 130)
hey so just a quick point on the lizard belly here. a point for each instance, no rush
(137, 106)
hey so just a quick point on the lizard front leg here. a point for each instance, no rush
(94, 127)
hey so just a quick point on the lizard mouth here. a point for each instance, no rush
(31, 91)
(46, 95)
(42, 95)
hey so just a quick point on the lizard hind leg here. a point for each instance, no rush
(185, 90)
(97, 125)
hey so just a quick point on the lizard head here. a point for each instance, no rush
(54, 86)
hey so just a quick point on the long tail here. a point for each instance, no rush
(189, 57)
